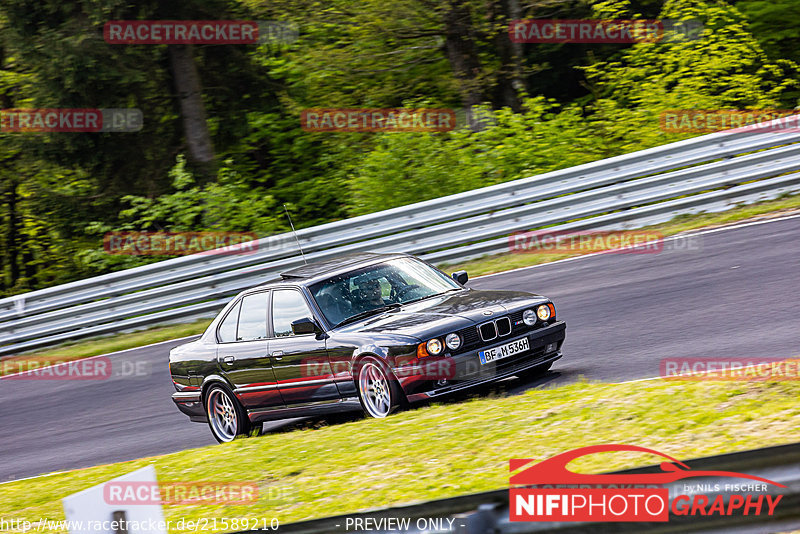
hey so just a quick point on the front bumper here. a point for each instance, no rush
(465, 370)
(189, 402)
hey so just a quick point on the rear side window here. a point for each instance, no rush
(227, 329)
(253, 318)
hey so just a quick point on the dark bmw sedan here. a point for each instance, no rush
(367, 331)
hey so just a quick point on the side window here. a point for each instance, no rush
(227, 329)
(253, 318)
(287, 305)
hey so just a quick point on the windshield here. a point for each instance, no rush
(393, 282)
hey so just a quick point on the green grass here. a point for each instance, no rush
(104, 345)
(447, 450)
(683, 223)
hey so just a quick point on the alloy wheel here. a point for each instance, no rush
(222, 415)
(375, 390)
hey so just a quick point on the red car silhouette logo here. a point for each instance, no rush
(554, 470)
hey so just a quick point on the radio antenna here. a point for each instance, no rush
(295, 234)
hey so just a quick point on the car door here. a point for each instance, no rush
(242, 353)
(300, 362)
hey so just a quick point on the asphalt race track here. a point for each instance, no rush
(735, 297)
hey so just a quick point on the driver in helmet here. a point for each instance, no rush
(369, 292)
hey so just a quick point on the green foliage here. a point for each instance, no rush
(548, 106)
(776, 25)
(411, 167)
(228, 204)
(723, 68)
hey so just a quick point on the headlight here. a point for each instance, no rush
(529, 317)
(543, 312)
(452, 341)
(434, 346)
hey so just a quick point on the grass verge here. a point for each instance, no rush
(441, 451)
(101, 345)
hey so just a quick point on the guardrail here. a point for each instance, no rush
(708, 173)
(487, 513)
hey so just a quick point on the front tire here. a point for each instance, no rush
(378, 390)
(226, 417)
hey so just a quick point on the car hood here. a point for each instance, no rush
(445, 313)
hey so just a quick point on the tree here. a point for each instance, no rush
(725, 68)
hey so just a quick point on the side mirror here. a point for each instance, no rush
(302, 326)
(461, 277)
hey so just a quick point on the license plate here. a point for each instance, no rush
(504, 351)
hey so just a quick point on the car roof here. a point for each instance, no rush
(323, 269)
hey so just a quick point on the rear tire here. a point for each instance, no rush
(226, 417)
(378, 390)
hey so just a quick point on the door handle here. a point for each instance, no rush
(278, 354)
(229, 359)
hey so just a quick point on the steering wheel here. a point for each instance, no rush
(403, 291)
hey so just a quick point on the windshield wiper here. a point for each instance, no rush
(367, 313)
